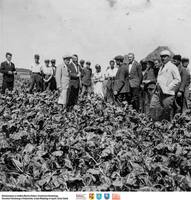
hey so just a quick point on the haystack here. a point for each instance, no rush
(156, 53)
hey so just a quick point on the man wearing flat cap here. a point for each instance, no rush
(62, 80)
(36, 75)
(148, 85)
(121, 84)
(86, 79)
(8, 70)
(82, 62)
(185, 82)
(53, 65)
(168, 81)
(74, 86)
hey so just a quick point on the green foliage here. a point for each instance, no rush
(97, 146)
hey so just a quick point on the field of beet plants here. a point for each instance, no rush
(96, 147)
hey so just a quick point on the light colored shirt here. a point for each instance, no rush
(98, 77)
(110, 73)
(169, 78)
(36, 68)
(189, 71)
(48, 70)
(62, 77)
(76, 67)
(130, 66)
(9, 63)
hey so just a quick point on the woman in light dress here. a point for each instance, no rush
(98, 79)
(48, 73)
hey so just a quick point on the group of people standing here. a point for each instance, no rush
(160, 87)
(43, 76)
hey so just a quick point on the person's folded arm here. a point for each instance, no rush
(120, 82)
(58, 76)
(3, 70)
(176, 79)
(184, 81)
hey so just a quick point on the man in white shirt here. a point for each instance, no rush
(168, 81)
(110, 77)
(36, 75)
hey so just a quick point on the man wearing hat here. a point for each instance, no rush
(185, 82)
(8, 70)
(36, 75)
(82, 62)
(53, 65)
(86, 79)
(62, 80)
(148, 85)
(121, 83)
(168, 81)
(74, 86)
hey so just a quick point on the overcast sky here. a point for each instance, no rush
(96, 30)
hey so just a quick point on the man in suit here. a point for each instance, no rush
(8, 70)
(121, 83)
(74, 85)
(62, 80)
(86, 77)
(185, 81)
(135, 79)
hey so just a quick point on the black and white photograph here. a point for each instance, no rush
(95, 96)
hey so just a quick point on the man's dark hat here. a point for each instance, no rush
(120, 58)
(150, 62)
(53, 61)
(36, 56)
(177, 57)
(185, 59)
(46, 61)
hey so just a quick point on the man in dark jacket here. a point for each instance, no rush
(148, 86)
(185, 81)
(135, 79)
(121, 83)
(86, 79)
(74, 84)
(8, 70)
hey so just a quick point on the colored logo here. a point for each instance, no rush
(91, 196)
(80, 196)
(106, 196)
(99, 196)
(116, 197)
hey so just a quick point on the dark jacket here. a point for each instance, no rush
(149, 78)
(121, 84)
(74, 79)
(86, 76)
(185, 78)
(135, 75)
(5, 67)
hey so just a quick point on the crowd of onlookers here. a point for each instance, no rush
(159, 87)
